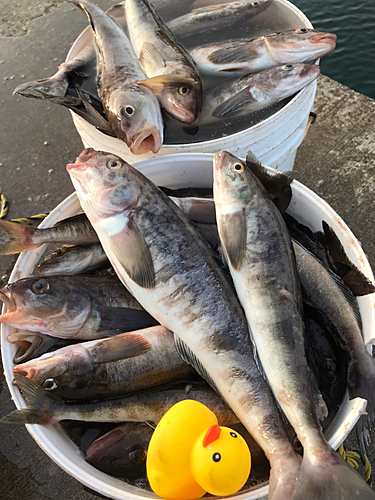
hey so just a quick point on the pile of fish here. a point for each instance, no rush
(142, 65)
(225, 301)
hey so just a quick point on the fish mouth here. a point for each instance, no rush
(26, 344)
(182, 114)
(325, 39)
(310, 71)
(80, 163)
(219, 160)
(29, 372)
(7, 298)
(148, 139)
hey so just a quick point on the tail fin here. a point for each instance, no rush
(16, 238)
(39, 401)
(334, 479)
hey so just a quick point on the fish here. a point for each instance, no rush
(176, 279)
(132, 110)
(79, 307)
(260, 256)
(33, 344)
(126, 363)
(122, 451)
(16, 238)
(216, 17)
(66, 86)
(73, 260)
(246, 56)
(171, 72)
(332, 298)
(257, 91)
(47, 409)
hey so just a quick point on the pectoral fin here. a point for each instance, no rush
(150, 58)
(233, 230)
(231, 105)
(232, 55)
(132, 252)
(91, 115)
(169, 80)
(123, 346)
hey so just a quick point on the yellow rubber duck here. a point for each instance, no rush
(190, 455)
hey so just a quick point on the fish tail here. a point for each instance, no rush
(16, 238)
(40, 404)
(332, 479)
(46, 88)
(361, 384)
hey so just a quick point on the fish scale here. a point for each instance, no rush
(206, 316)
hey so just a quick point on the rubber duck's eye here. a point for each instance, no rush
(301, 30)
(233, 434)
(39, 287)
(184, 91)
(128, 110)
(138, 455)
(237, 167)
(50, 384)
(114, 164)
(216, 457)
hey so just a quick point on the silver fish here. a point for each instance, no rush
(171, 72)
(46, 409)
(328, 294)
(126, 363)
(259, 253)
(15, 238)
(73, 260)
(80, 307)
(258, 54)
(216, 17)
(132, 110)
(257, 91)
(175, 277)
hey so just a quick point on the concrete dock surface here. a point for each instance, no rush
(37, 140)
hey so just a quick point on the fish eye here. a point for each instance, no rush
(50, 384)
(288, 67)
(237, 167)
(39, 287)
(301, 30)
(114, 164)
(329, 367)
(138, 455)
(184, 91)
(128, 110)
(233, 434)
(255, 3)
(216, 457)
(296, 443)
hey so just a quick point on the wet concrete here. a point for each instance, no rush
(37, 140)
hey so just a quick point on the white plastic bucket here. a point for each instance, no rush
(274, 140)
(177, 171)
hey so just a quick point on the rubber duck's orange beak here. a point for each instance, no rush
(212, 435)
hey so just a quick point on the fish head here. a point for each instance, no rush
(232, 177)
(299, 45)
(283, 81)
(182, 97)
(135, 117)
(122, 451)
(45, 305)
(104, 180)
(60, 372)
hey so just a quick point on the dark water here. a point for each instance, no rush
(352, 62)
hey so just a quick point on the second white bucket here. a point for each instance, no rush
(274, 140)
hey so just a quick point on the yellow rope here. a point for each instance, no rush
(3, 206)
(352, 457)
